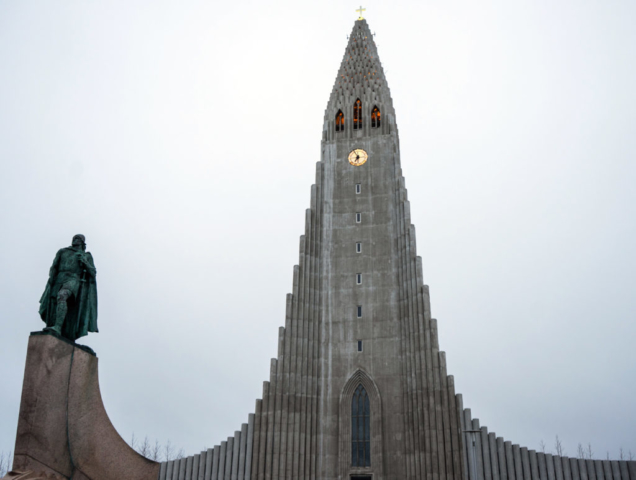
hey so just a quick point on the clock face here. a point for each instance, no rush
(357, 157)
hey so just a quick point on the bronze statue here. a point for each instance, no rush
(69, 303)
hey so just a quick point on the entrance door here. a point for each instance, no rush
(361, 477)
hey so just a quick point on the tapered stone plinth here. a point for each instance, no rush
(63, 428)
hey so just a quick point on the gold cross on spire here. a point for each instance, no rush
(361, 10)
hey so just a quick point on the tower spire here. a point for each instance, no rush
(360, 76)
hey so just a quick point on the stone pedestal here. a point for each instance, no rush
(63, 428)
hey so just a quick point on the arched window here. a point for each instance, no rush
(357, 114)
(339, 121)
(375, 117)
(360, 429)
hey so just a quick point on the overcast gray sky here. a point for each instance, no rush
(181, 137)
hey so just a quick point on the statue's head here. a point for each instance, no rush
(79, 241)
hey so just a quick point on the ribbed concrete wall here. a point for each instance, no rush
(434, 444)
(281, 435)
(286, 417)
(489, 457)
(230, 460)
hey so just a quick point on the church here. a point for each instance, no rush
(359, 389)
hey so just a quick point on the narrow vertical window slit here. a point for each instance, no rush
(360, 426)
(375, 118)
(357, 115)
(340, 121)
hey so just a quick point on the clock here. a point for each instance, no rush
(358, 157)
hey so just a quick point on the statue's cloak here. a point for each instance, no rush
(81, 317)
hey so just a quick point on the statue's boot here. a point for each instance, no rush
(60, 315)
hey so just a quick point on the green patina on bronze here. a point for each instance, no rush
(69, 303)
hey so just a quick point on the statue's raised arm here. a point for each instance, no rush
(69, 303)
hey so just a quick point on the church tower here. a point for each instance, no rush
(377, 338)
(359, 388)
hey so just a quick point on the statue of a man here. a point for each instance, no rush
(69, 303)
